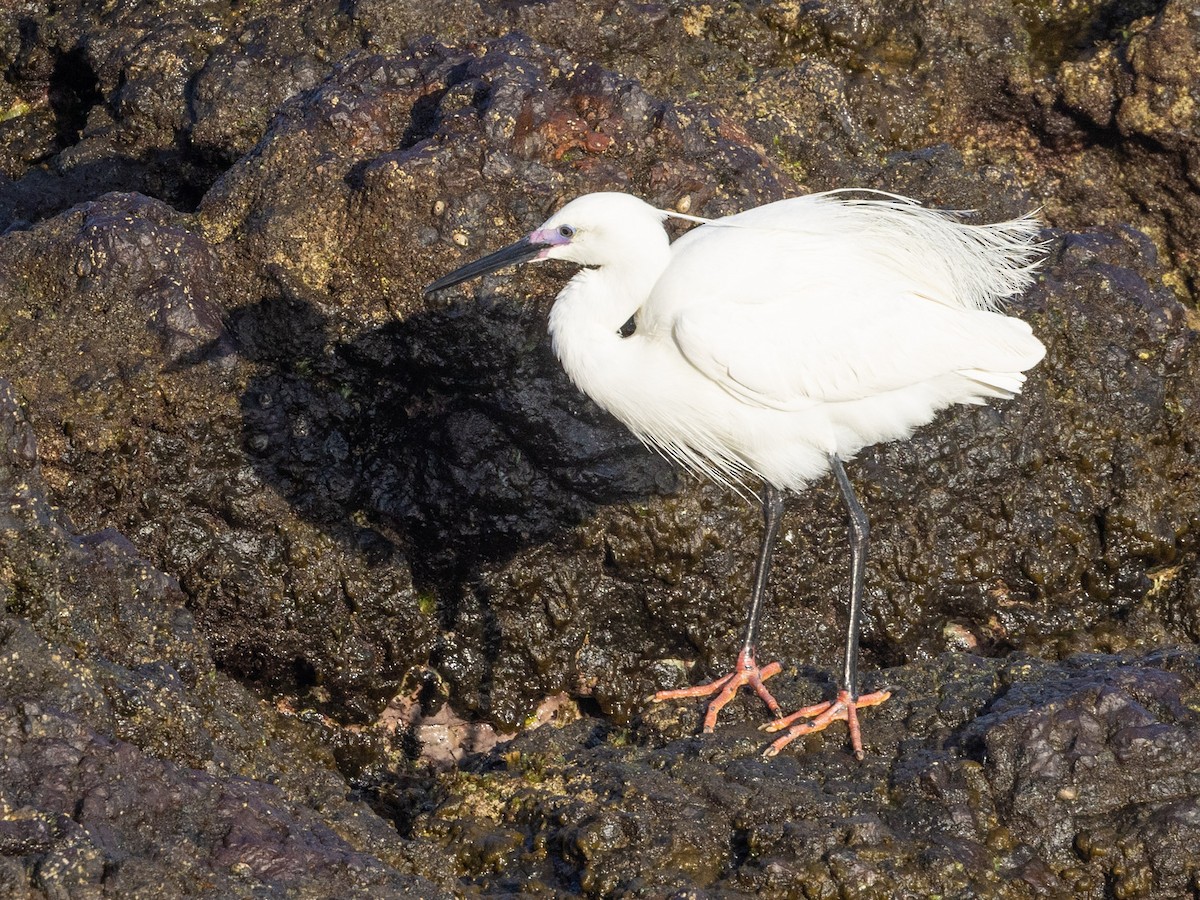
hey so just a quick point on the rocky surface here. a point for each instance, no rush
(285, 546)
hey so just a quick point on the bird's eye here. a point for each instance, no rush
(566, 231)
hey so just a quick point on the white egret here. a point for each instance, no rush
(775, 344)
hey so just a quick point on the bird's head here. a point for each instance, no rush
(593, 230)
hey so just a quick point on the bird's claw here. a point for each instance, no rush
(746, 672)
(817, 718)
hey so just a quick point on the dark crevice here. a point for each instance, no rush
(74, 90)
(427, 112)
(423, 119)
(305, 673)
(1071, 35)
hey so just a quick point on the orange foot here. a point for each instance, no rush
(819, 716)
(745, 671)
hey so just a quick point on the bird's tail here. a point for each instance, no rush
(1001, 385)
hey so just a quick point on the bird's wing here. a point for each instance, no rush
(783, 356)
(785, 321)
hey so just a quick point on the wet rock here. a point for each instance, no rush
(122, 344)
(127, 760)
(984, 778)
(250, 411)
(1160, 105)
(147, 97)
(96, 812)
(1129, 96)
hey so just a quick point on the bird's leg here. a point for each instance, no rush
(746, 671)
(846, 704)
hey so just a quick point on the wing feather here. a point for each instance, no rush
(818, 300)
(797, 352)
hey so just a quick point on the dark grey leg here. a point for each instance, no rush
(860, 531)
(816, 718)
(772, 503)
(746, 670)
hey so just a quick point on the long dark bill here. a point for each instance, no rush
(522, 251)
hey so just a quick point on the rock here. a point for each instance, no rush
(126, 759)
(257, 487)
(983, 778)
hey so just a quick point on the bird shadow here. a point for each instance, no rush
(450, 438)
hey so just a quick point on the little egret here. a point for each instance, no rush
(774, 344)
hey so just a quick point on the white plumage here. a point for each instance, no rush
(777, 343)
(769, 340)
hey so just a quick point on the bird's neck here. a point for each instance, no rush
(586, 320)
